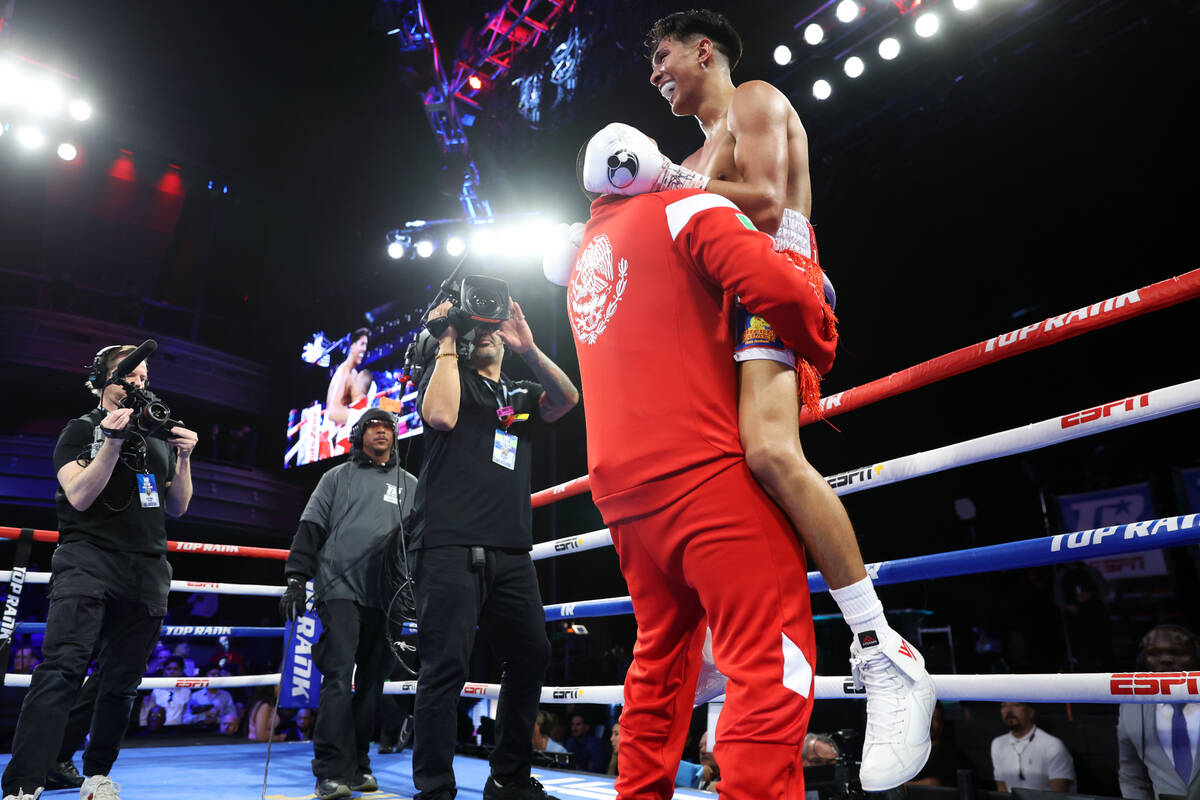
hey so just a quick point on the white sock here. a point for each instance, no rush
(860, 606)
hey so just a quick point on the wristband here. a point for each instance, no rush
(111, 433)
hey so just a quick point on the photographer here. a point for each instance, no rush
(471, 546)
(341, 543)
(110, 573)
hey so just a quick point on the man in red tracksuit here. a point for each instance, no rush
(651, 295)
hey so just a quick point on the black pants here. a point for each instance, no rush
(351, 635)
(452, 599)
(98, 599)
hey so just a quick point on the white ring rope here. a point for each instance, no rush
(1103, 687)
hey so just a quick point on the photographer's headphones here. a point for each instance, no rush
(1179, 629)
(98, 374)
(375, 414)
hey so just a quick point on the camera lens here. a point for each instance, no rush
(483, 302)
(158, 412)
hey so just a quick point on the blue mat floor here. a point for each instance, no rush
(217, 772)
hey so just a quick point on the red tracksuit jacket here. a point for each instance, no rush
(649, 300)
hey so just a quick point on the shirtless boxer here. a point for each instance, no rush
(756, 154)
(339, 395)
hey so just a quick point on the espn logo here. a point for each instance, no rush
(1106, 410)
(568, 694)
(475, 689)
(1154, 683)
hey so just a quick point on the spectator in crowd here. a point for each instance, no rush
(944, 760)
(305, 719)
(586, 747)
(24, 659)
(230, 725)
(184, 650)
(615, 741)
(818, 749)
(155, 720)
(703, 776)
(174, 701)
(209, 706)
(1029, 757)
(158, 658)
(1159, 743)
(263, 723)
(542, 729)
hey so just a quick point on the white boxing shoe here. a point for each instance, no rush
(711, 684)
(900, 700)
(99, 787)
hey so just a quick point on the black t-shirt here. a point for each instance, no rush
(464, 497)
(116, 520)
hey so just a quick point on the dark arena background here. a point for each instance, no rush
(249, 183)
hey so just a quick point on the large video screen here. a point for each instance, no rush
(365, 369)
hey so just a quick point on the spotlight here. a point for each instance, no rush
(395, 250)
(475, 82)
(80, 109)
(853, 66)
(847, 11)
(814, 33)
(822, 89)
(926, 25)
(783, 55)
(44, 96)
(455, 246)
(30, 137)
(484, 242)
(965, 5)
(889, 48)
(67, 151)
(11, 85)
(425, 248)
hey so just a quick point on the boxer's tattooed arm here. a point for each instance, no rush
(560, 395)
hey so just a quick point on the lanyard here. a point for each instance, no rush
(503, 410)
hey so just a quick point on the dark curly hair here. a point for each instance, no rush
(684, 25)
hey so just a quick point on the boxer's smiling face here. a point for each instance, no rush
(674, 72)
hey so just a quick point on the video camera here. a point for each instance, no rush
(477, 300)
(151, 416)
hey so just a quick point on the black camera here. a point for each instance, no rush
(479, 300)
(151, 416)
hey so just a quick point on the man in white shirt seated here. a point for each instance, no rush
(173, 701)
(1028, 756)
(209, 706)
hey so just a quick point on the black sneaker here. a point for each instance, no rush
(516, 789)
(330, 789)
(386, 750)
(63, 776)
(364, 782)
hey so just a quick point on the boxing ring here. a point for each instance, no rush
(290, 776)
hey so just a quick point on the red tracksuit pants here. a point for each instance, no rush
(725, 551)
